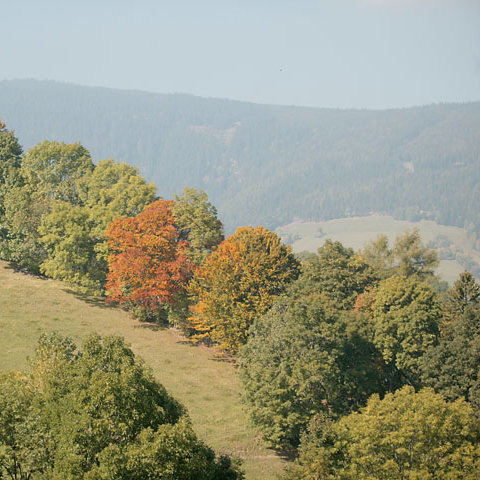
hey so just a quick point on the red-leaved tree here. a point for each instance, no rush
(148, 266)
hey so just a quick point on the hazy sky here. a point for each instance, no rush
(326, 53)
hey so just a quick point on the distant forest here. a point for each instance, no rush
(267, 165)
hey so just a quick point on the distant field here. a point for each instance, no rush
(208, 387)
(355, 232)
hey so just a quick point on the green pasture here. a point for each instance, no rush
(355, 232)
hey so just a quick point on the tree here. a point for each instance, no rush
(464, 294)
(413, 258)
(172, 452)
(97, 414)
(10, 179)
(197, 220)
(74, 235)
(10, 161)
(148, 266)
(48, 173)
(53, 168)
(379, 256)
(66, 234)
(452, 367)
(408, 257)
(302, 358)
(23, 213)
(19, 456)
(113, 190)
(238, 283)
(406, 313)
(339, 273)
(405, 436)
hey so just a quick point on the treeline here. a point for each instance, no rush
(362, 363)
(56, 205)
(268, 164)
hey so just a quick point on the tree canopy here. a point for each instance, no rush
(148, 266)
(97, 414)
(238, 283)
(10, 156)
(197, 221)
(338, 272)
(452, 367)
(405, 436)
(409, 257)
(53, 168)
(406, 314)
(74, 235)
(301, 359)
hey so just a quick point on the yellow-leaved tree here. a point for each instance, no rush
(237, 283)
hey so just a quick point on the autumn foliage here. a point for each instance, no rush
(148, 266)
(237, 283)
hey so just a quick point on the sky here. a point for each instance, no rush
(320, 53)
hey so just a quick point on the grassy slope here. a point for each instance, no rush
(208, 387)
(355, 232)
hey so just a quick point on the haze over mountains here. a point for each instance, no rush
(264, 164)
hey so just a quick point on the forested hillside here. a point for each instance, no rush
(268, 164)
(342, 354)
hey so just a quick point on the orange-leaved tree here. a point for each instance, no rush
(148, 265)
(237, 283)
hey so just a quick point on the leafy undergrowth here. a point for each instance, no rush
(206, 385)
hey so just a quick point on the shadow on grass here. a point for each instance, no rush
(287, 455)
(224, 358)
(188, 343)
(155, 327)
(18, 269)
(218, 355)
(90, 299)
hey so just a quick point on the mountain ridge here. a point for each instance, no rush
(269, 163)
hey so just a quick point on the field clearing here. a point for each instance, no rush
(206, 385)
(356, 231)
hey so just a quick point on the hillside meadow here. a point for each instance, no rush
(205, 383)
(356, 231)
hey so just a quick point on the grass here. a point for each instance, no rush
(355, 232)
(208, 387)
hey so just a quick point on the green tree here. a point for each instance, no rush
(197, 220)
(406, 314)
(10, 178)
(337, 272)
(53, 168)
(452, 367)
(97, 414)
(172, 452)
(114, 190)
(379, 256)
(465, 294)
(74, 235)
(49, 172)
(304, 357)
(405, 436)
(412, 258)
(290, 368)
(10, 162)
(408, 257)
(66, 235)
(23, 212)
(22, 440)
